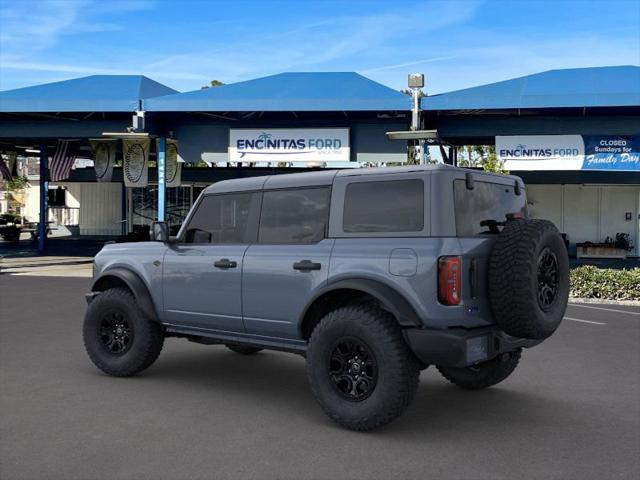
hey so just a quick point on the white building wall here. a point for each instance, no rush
(31, 208)
(100, 208)
(588, 213)
(73, 195)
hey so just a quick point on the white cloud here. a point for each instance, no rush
(436, 37)
(408, 64)
(31, 27)
(314, 46)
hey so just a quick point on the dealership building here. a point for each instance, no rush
(573, 135)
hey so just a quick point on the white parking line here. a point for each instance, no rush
(605, 309)
(583, 321)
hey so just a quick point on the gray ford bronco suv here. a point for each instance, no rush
(371, 274)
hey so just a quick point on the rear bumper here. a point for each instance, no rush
(459, 347)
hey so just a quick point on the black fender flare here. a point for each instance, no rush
(135, 284)
(388, 297)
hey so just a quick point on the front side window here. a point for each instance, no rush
(221, 219)
(294, 216)
(384, 206)
(485, 203)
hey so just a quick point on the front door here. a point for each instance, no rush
(289, 261)
(202, 272)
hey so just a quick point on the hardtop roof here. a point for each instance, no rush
(322, 178)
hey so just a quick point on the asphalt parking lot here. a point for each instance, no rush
(571, 410)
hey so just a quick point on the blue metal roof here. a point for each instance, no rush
(96, 93)
(299, 92)
(577, 87)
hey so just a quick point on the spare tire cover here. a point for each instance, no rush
(529, 278)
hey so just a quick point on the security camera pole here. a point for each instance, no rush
(416, 83)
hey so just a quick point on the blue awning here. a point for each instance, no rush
(288, 92)
(96, 93)
(577, 87)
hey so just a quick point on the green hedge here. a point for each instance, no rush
(588, 281)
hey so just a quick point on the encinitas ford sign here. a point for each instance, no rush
(541, 152)
(289, 145)
(569, 152)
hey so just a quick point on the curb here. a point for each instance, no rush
(603, 301)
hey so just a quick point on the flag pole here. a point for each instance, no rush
(162, 180)
(44, 197)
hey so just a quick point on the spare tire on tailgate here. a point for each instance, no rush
(529, 278)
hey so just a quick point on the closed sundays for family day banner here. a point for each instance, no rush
(569, 152)
(289, 145)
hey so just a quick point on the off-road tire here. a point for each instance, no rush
(397, 369)
(515, 278)
(145, 346)
(484, 374)
(243, 349)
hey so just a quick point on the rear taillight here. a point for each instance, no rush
(449, 280)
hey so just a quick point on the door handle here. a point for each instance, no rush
(306, 265)
(225, 263)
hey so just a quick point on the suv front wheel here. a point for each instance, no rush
(119, 338)
(360, 369)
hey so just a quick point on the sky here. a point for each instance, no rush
(185, 44)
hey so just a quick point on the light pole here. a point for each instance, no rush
(416, 83)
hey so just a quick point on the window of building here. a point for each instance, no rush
(384, 206)
(57, 197)
(223, 218)
(486, 202)
(294, 216)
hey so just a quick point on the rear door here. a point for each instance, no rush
(202, 273)
(289, 260)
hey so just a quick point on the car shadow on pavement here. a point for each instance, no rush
(280, 379)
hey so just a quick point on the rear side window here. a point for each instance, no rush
(223, 219)
(486, 202)
(384, 206)
(294, 216)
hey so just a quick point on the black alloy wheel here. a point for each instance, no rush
(116, 333)
(119, 337)
(529, 278)
(353, 369)
(547, 278)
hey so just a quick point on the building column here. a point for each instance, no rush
(44, 199)
(162, 179)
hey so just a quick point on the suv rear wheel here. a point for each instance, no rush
(360, 369)
(118, 337)
(484, 374)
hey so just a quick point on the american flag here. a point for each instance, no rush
(4, 170)
(62, 161)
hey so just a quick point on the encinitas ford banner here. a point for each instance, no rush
(569, 152)
(541, 152)
(611, 152)
(289, 145)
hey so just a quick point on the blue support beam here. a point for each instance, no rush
(44, 199)
(162, 179)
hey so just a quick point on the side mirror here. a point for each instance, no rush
(160, 232)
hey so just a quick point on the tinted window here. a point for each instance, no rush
(294, 216)
(221, 219)
(487, 201)
(388, 206)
